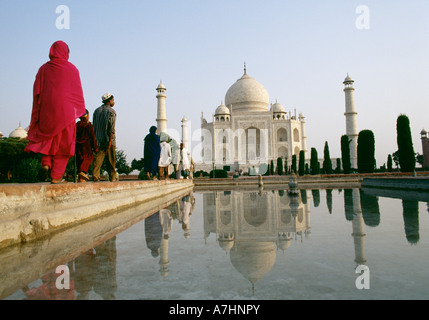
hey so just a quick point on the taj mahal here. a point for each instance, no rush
(248, 131)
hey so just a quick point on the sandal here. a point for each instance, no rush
(82, 175)
(55, 181)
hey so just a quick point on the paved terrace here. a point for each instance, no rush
(32, 211)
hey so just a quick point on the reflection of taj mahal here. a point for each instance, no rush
(250, 226)
(246, 131)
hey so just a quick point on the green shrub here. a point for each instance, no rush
(218, 173)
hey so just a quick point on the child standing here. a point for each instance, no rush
(86, 145)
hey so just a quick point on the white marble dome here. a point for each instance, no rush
(222, 109)
(247, 94)
(278, 108)
(19, 132)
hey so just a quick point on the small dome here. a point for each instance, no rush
(348, 79)
(278, 108)
(19, 132)
(222, 109)
(422, 132)
(161, 86)
(226, 244)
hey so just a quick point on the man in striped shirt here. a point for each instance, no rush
(104, 120)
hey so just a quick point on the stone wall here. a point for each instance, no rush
(31, 211)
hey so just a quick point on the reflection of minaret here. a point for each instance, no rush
(165, 219)
(161, 118)
(307, 212)
(163, 261)
(358, 229)
(351, 124)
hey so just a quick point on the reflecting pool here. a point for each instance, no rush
(254, 244)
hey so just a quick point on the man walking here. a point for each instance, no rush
(104, 121)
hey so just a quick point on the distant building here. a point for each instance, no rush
(19, 132)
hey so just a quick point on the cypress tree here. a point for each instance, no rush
(366, 152)
(389, 163)
(345, 153)
(327, 164)
(314, 162)
(272, 168)
(279, 166)
(338, 168)
(301, 166)
(293, 167)
(407, 160)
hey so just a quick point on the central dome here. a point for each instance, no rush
(247, 94)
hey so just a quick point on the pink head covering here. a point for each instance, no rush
(57, 95)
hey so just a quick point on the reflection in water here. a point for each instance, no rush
(251, 225)
(358, 234)
(181, 210)
(370, 209)
(48, 290)
(411, 220)
(329, 200)
(105, 278)
(153, 233)
(316, 197)
(83, 272)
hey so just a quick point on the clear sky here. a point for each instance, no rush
(301, 51)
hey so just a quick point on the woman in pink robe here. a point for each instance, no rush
(57, 102)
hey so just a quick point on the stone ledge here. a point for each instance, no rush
(31, 211)
(413, 183)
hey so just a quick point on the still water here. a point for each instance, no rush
(256, 245)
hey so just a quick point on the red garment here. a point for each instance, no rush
(58, 165)
(57, 102)
(86, 144)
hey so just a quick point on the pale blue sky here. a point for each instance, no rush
(301, 51)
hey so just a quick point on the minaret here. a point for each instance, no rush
(304, 137)
(185, 133)
(351, 123)
(161, 118)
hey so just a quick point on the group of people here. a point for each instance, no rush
(158, 157)
(53, 132)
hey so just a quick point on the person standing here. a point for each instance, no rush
(165, 158)
(104, 121)
(185, 162)
(57, 102)
(86, 145)
(151, 153)
(176, 163)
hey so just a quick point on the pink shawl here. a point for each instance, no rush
(57, 98)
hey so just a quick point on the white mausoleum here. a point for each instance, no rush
(247, 131)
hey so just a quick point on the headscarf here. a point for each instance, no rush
(152, 151)
(57, 95)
